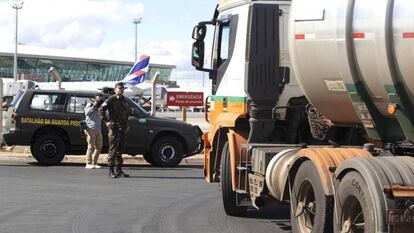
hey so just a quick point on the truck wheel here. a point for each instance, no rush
(166, 152)
(354, 205)
(311, 209)
(48, 149)
(227, 193)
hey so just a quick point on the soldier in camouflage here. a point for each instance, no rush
(114, 112)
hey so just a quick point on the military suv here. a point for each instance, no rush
(49, 121)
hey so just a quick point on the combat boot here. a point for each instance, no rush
(111, 171)
(119, 172)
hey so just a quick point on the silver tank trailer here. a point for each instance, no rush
(337, 43)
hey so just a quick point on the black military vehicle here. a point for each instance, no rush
(49, 121)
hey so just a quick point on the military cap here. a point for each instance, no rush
(120, 85)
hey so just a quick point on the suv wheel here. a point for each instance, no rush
(167, 152)
(148, 158)
(48, 149)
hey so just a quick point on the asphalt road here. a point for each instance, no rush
(69, 198)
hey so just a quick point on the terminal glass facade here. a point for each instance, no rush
(165, 73)
(37, 69)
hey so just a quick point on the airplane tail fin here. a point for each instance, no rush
(138, 72)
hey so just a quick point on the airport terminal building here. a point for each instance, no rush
(34, 64)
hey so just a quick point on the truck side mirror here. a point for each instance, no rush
(197, 54)
(199, 32)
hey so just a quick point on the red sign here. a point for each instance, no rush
(358, 35)
(185, 99)
(300, 36)
(408, 35)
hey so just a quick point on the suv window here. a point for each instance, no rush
(48, 102)
(137, 107)
(17, 99)
(78, 103)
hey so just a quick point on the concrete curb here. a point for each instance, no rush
(14, 149)
(26, 156)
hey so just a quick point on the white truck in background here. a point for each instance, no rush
(11, 89)
(352, 60)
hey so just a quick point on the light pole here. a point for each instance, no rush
(136, 22)
(17, 6)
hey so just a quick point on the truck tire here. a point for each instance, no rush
(167, 152)
(48, 149)
(354, 205)
(311, 208)
(228, 195)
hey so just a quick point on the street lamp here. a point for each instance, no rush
(136, 22)
(17, 6)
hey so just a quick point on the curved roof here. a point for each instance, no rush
(72, 65)
(67, 55)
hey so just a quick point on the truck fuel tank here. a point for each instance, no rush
(339, 45)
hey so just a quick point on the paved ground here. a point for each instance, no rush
(69, 198)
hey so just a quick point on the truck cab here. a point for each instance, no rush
(243, 79)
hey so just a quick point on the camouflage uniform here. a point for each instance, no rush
(118, 109)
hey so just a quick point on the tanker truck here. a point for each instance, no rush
(312, 107)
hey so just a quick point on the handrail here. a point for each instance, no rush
(206, 108)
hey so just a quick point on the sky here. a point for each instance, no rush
(105, 27)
